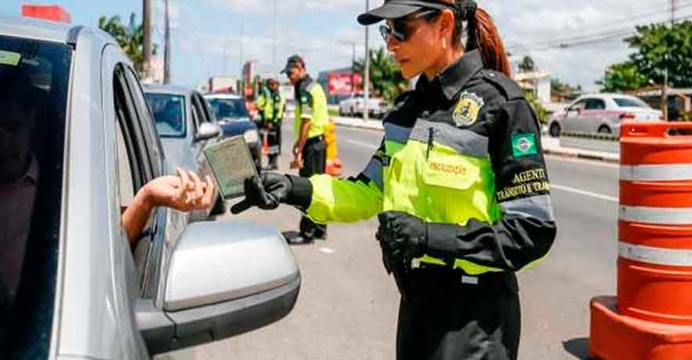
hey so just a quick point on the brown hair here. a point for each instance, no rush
(483, 35)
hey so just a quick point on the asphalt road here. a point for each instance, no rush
(347, 306)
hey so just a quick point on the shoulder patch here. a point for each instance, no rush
(467, 109)
(505, 85)
(524, 145)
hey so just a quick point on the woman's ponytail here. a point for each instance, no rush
(475, 30)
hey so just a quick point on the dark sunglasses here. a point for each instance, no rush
(400, 29)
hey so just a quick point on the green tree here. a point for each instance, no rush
(385, 76)
(130, 37)
(623, 76)
(658, 47)
(527, 65)
(535, 103)
(662, 47)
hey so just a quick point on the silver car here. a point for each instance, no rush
(185, 125)
(73, 111)
(601, 113)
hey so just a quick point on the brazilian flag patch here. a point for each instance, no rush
(524, 145)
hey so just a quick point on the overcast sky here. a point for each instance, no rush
(208, 33)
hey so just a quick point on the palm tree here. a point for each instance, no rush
(130, 37)
(385, 76)
(527, 65)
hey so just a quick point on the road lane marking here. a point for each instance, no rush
(363, 144)
(583, 192)
(326, 250)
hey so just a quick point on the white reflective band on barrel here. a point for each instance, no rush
(657, 256)
(661, 216)
(656, 172)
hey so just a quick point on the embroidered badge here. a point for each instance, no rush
(467, 109)
(524, 145)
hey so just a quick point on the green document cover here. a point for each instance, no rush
(230, 163)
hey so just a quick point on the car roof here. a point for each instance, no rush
(47, 30)
(166, 89)
(223, 96)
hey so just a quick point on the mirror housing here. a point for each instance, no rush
(208, 131)
(223, 279)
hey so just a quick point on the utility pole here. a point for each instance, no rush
(146, 46)
(242, 41)
(366, 80)
(276, 73)
(664, 93)
(167, 45)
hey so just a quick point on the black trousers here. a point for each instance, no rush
(441, 318)
(314, 162)
(274, 140)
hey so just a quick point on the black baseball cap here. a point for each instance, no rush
(393, 9)
(291, 62)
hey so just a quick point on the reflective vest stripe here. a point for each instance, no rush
(656, 172)
(396, 133)
(660, 216)
(539, 207)
(465, 142)
(373, 171)
(654, 255)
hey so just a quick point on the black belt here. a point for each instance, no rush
(444, 274)
(314, 139)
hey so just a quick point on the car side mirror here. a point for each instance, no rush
(223, 279)
(208, 131)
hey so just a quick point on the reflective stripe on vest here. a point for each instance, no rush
(654, 255)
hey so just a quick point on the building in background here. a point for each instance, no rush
(537, 82)
(46, 12)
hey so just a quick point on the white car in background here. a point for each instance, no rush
(355, 106)
(601, 113)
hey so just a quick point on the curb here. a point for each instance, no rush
(612, 159)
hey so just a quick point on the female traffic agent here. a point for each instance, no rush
(459, 184)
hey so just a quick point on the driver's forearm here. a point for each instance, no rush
(136, 215)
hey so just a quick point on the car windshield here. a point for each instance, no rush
(631, 102)
(169, 114)
(34, 78)
(229, 108)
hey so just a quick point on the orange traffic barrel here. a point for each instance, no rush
(655, 223)
(333, 166)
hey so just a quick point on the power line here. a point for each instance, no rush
(588, 39)
(603, 33)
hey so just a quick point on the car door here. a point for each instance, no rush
(571, 122)
(592, 114)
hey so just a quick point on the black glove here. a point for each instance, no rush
(402, 237)
(271, 189)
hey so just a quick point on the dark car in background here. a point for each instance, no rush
(233, 117)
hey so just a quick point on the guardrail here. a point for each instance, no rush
(597, 142)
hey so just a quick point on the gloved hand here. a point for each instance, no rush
(271, 189)
(402, 237)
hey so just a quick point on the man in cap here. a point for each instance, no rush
(309, 150)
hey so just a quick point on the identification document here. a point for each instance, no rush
(230, 163)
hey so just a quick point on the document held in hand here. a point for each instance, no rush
(230, 163)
